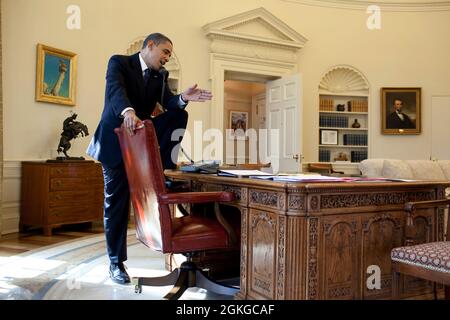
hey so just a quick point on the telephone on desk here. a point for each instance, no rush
(204, 166)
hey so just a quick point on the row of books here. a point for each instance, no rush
(358, 156)
(355, 139)
(355, 156)
(357, 106)
(326, 105)
(352, 105)
(324, 155)
(333, 121)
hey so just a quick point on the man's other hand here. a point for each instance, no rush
(131, 122)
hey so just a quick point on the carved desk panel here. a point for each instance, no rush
(321, 240)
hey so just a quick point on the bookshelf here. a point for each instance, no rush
(343, 117)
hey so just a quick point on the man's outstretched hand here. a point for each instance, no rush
(196, 94)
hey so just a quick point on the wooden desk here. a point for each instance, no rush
(317, 240)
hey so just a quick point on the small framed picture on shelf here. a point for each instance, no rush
(328, 137)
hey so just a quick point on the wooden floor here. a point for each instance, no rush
(16, 243)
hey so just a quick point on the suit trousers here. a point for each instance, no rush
(117, 194)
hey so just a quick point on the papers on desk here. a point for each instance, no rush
(319, 178)
(299, 178)
(378, 180)
(242, 173)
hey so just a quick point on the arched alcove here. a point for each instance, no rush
(343, 117)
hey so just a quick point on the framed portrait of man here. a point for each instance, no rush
(401, 110)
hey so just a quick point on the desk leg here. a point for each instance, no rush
(242, 294)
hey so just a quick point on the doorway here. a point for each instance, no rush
(244, 109)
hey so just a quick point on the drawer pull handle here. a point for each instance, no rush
(58, 171)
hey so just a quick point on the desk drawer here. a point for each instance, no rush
(75, 171)
(71, 184)
(71, 198)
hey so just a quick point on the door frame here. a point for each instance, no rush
(221, 63)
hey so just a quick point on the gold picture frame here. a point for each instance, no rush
(56, 74)
(401, 110)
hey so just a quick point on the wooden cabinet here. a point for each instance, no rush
(57, 193)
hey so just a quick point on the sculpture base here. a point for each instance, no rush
(69, 159)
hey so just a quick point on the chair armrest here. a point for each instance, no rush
(411, 207)
(196, 197)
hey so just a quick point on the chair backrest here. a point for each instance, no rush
(146, 181)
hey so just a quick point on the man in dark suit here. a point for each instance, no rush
(397, 119)
(134, 84)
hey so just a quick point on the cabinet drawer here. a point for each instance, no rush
(76, 171)
(71, 198)
(70, 184)
(74, 214)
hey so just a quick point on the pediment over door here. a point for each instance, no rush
(255, 34)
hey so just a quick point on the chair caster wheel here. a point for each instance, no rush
(138, 289)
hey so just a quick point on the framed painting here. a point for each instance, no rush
(400, 110)
(238, 124)
(56, 73)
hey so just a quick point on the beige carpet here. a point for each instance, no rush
(78, 269)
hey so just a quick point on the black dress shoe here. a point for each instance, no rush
(118, 274)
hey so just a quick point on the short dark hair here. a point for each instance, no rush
(157, 38)
(397, 99)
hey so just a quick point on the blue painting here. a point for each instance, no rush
(56, 76)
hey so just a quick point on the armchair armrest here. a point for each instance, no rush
(196, 197)
(411, 207)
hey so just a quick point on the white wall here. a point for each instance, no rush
(411, 49)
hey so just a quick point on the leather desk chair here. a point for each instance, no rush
(429, 261)
(160, 230)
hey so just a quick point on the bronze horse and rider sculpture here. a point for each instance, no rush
(71, 130)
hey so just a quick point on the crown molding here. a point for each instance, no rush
(385, 5)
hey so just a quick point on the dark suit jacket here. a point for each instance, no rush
(125, 88)
(394, 122)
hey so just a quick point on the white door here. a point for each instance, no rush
(259, 111)
(283, 108)
(440, 130)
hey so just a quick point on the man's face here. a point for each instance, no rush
(156, 56)
(398, 104)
